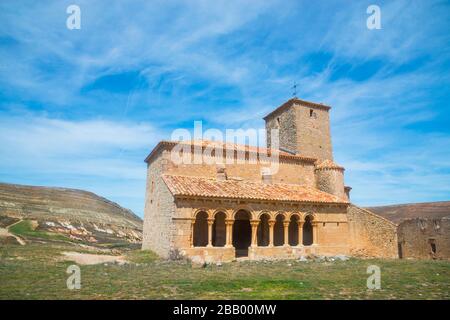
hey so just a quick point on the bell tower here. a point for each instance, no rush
(304, 128)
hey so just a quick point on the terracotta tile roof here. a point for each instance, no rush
(298, 101)
(235, 189)
(328, 164)
(229, 146)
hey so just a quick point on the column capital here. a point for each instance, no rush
(271, 222)
(254, 222)
(229, 221)
(210, 220)
(286, 223)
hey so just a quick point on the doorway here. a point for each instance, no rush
(242, 233)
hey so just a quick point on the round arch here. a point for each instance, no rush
(278, 229)
(200, 235)
(195, 212)
(242, 231)
(308, 230)
(219, 229)
(293, 229)
(263, 231)
(242, 208)
(223, 210)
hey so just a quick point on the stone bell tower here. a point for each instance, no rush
(304, 128)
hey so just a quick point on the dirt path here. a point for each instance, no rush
(88, 258)
(4, 232)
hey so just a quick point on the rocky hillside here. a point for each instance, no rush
(60, 213)
(400, 212)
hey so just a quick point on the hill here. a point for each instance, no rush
(32, 212)
(400, 212)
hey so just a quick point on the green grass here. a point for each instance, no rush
(25, 229)
(36, 271)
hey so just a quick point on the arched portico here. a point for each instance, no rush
(241, 228)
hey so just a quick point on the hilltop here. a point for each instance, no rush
(400, 212)
(33, 212)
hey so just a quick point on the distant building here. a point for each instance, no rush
(423, 238)
(210, 211)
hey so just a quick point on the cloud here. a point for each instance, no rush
(87, 154)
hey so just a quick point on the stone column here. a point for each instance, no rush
(254, 224)
(191, 240)
(286, 233)
(271, 225)
(229, 232)
(300, 233)
(210, 225)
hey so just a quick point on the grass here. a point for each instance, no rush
(36, 271)
(25, 229)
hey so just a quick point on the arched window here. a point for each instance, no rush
(293, 231)
(278, 231)
(307, 231)
(201, 229)
(219, 231)
(263, 230)
(242, 233)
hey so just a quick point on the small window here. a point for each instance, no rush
(323, 224)
(311, 113)
(432, 245)
(278, 121)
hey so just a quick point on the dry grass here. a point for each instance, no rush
(36, 271)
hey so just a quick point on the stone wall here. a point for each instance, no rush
(210, 254)
(159, 209)
(416, 237)
(371, 235)
(288, 170)
(303, 129)
(313, 132)
(332, 181)
(285, 122)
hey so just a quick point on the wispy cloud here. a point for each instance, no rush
(89, 154)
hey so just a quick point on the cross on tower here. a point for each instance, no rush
(294, 87)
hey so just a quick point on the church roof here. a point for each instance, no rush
(244, 189)
(328, 164)
(298, 101)
(228, 146)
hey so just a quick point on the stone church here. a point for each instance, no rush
(219, 212)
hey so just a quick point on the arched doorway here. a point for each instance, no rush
(293, 231)
(278, 231)
(307, 231)
(219, 231)
(201, 230)
(242, 233)
(263, 231)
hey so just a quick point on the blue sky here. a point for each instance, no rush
(83, 108)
